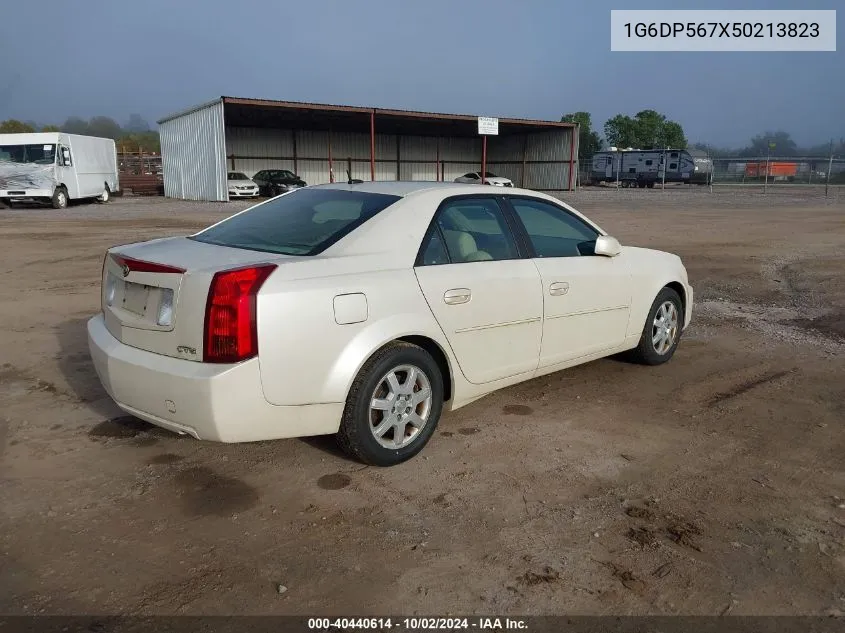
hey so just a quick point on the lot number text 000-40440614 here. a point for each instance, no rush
(728, 30)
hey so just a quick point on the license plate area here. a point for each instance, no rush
(135, 298)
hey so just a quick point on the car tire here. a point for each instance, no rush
(653, 348)
(59, 199)
(366, 432)
(104, 197)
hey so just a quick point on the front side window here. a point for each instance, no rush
(474, 230)
(304, 222)
(471, 176)
(554, 232)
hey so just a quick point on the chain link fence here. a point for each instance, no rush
(823, 173)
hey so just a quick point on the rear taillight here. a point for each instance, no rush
(231, 327)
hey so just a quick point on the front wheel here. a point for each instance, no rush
(393, 407)
(59, 199)
(662, 330)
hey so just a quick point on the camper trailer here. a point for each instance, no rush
(56, 168)
(642, 168)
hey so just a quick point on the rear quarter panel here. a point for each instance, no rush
(307, 357)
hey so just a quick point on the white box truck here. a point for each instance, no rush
(54, 167)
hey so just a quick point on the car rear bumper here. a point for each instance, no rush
(223, 403)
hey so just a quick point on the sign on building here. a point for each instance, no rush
(488, 125)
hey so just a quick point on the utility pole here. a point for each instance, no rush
(829, 169)
(618, 166)
(768, 156)
(712, 172)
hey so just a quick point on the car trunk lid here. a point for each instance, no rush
(154, 294)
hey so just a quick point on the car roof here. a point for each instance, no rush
(396, 187)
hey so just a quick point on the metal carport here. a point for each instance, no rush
(322, 142)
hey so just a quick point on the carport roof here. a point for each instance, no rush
(267, 113)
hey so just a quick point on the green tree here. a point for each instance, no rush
(589, 142)
(50, 128)
(648, 129)
(672, 135)
(13, 126)
(147, 141)
(778, 143)
(136, 123)
(75, 125)
(104, 127)
(620, 131)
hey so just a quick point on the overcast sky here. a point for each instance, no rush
(535, 59)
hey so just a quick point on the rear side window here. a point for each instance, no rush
(304, 222)
(470, 230)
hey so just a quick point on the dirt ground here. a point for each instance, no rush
(713, 484)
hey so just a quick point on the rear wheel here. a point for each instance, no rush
(662, 330)
(59, 199)
(393, 407)
(105, 196)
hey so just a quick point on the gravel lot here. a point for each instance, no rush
(713, 484)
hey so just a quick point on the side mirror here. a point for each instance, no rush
(607, 246)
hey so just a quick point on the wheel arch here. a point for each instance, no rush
(678, 287)
(427, 343)
(642, 303)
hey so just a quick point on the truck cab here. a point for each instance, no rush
(56, 168)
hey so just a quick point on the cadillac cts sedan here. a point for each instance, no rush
(364, 310)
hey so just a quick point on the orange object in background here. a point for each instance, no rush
(776, 168)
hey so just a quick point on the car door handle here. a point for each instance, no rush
(559, 288)
(457, 295)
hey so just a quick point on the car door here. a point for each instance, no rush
(258, 179)
(586, 297)
(483, 291)
(66, 171)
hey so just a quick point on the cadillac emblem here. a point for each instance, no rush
(125, 270)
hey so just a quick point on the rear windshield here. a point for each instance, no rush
(303, 222)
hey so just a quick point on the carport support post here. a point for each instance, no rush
(437, 162)
(331, 170)
(373, 145)
(572, 131)
(524, 159)
(483, 158)
(398, 159)
(293, 142)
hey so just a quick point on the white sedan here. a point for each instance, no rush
(474, 178)
(365, 310)
(240, 185)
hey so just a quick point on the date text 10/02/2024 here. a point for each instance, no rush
(418, 624)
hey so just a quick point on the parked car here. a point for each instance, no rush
(56, 168)
(241, 186)
(365, 310)
(474, 178)
(274, 182)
